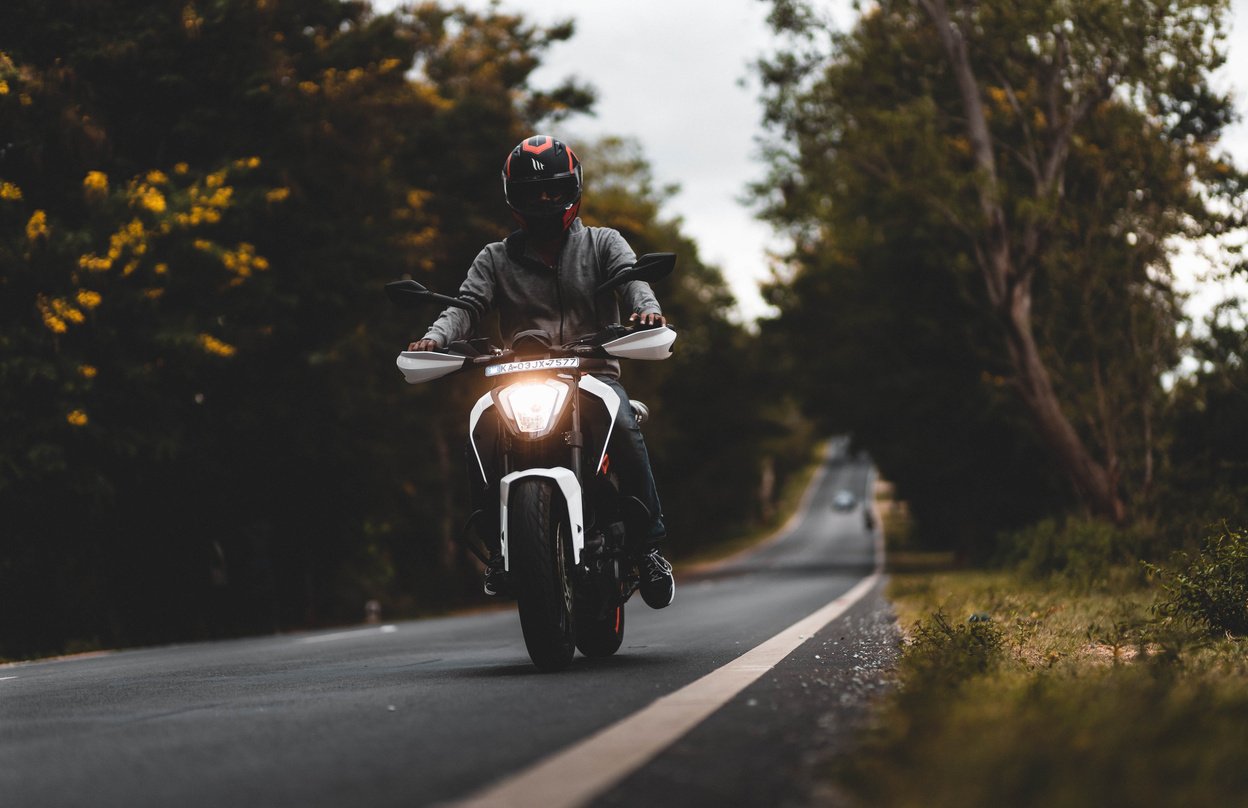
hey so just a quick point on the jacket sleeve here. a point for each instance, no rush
(636, 296)
(478, 291)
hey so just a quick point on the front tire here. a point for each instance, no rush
(541, 569)
(600, 635)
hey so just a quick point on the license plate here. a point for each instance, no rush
(533, 364)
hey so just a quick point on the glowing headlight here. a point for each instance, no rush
(533, 406)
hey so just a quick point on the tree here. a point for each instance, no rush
(1053, 150)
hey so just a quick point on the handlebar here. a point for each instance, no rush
(586, 346)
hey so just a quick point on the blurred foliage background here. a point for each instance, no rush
(202, 432)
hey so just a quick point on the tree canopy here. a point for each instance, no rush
(983, 200)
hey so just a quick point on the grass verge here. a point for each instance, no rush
(1015, 690)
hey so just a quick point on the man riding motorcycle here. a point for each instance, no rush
(543, 277)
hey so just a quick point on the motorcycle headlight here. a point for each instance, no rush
(533, 407)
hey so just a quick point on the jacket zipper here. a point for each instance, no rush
(559, 293)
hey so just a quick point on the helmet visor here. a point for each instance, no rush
(543, 195)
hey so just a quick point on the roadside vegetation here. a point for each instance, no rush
(1085, 682)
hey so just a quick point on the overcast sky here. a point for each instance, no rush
(675, 74)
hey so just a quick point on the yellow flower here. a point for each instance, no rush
(88, 299)
(309, 88)
(76, 418)
(95, 184)
(4, 87)
(53, 323)
(157, 177)
(161, 269)
(277, 195)
(153, 293)
(94, 263)
(152, 199)
(212, 345)
(180, 168)
(389, 64)
(10, 191)
(88, 371)
(37, 227)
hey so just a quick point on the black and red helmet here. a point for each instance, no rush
(542, 183)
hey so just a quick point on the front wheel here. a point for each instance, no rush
(540, 558)
(600, 635)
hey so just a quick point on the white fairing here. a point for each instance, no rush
(653, 343)
(571, 490)
(609, 399)
(423, 366)
(483, 404)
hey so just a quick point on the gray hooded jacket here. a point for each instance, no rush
(508, 276)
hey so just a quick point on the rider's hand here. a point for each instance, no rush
(424, 345)
(649, 319)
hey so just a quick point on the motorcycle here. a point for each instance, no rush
(569, 538)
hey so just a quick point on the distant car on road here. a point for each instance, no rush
(844, 500)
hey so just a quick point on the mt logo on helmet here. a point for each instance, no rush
(542, 183)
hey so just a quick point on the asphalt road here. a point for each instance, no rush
(429, 712)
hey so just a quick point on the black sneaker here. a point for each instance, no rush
(495, 576)
(657, 585)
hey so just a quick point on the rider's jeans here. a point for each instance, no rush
(632, 462)
(629, 458)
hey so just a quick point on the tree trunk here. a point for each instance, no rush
(1009, 283)
(1091, 480)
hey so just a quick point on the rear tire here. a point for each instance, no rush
(600, 636)
(541, 567)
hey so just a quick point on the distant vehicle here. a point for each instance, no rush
(844, 500)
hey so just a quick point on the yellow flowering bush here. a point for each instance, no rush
(210, 344)
(95, 185)
(37, 226)
(88, 299)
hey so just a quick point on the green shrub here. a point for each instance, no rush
(1082, 551)
(1211, 590)
(945, 654)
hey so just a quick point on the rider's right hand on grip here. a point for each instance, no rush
(424, 345)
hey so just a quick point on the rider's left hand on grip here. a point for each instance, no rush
(648, 320)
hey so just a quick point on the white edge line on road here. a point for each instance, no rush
(346, 635)
(6, 678)
(582, 772)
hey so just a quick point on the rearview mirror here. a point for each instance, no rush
(650, 267)
(409, 293)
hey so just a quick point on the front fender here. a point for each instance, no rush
(571, 490)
